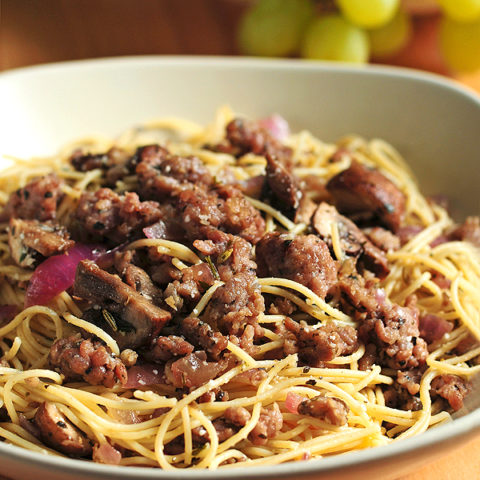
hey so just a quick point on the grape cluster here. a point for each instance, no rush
(358, 30)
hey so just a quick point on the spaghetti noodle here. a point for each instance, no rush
(350, 355)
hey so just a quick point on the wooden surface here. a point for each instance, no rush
(40, 31)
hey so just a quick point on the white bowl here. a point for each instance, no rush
(434, 123)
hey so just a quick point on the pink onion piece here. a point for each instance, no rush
(156, 231)
(144, 375)
(276, 125)
(433, 328)
(7, 313)
(106, 454)
(293, 401)
(57, 273)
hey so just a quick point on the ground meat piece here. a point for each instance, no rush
(203, 336)
(166, 348)
(395, 331)
(359, 189)
(282, 306)
(195, 280)
(136, 277)
(199, 211)
(304, 259)
(398, 329)
(86, 359)
(237, 416)
(469, 231)
(452, 388)
(269, 423)
(383, 239)
(329, 409)
(410, 380)
(115, 163)
(319, 345)
(356, 290)
(107, 216)
(234, 305)
(233, 419)
(136, 319)
(244, 136)
(253, 377)
(392, 328)
(161, 174)
(59, 433)
(37, 200)
(230, 254)
(30, 240)
(241, 217)
(353, 241)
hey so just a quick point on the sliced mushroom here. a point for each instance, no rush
(59, 433)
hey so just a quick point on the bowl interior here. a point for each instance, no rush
(433, 123)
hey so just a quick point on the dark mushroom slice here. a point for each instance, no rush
(59, 433)
(359, 190)
(129, 317)
(353, 241)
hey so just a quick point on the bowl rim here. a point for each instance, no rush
(468, 424)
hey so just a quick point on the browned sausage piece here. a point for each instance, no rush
(361, 190)
(59, 433)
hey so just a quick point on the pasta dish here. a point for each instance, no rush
(227, 296)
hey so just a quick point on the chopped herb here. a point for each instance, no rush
(23, 256)
(204, 285)
(223, 257)
(110, 320)
(213, 268)
(389, 207)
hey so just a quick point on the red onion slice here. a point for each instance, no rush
(145, 375)
(276, 125)
(57, 273)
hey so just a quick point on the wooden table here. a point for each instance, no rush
(39, 31)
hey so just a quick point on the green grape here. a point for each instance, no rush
(392, 37)
(460, 44)
(331, 37)
(369, 13)
(274, 28)
(461, 10)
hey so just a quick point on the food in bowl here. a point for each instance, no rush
(229, 295)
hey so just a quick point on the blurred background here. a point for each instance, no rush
(441, 36)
